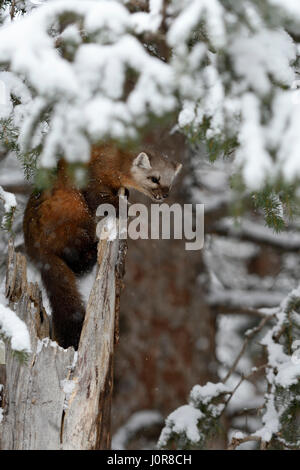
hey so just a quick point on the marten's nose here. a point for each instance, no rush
(164, 192)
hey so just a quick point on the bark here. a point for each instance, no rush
(61, 399)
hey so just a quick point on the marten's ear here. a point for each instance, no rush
(142, 161)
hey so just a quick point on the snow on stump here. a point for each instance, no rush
(57, 398)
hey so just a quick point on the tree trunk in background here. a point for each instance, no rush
(167, 330)
(60, 399)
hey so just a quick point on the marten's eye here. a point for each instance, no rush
(154, 179)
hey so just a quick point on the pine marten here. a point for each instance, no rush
(59, 225)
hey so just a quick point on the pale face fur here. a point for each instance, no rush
(154, 175)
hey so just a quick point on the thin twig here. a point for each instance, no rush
(249, 335)
(235, 442)
(243, 377)
(12, 10)
(227, 310)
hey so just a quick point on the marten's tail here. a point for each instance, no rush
(67, 306)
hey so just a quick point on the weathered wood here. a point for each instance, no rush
(87, 419)
(61, 399)
(2, 383)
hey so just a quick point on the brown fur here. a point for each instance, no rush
(59, 232)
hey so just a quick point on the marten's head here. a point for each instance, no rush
(154, 175)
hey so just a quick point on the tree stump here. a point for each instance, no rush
(61, 399)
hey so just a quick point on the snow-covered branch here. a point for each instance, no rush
(229, 78)
(191, 425)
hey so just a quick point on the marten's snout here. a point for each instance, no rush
(160, 193)
(165, 192)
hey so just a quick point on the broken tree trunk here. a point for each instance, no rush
(61, 399)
